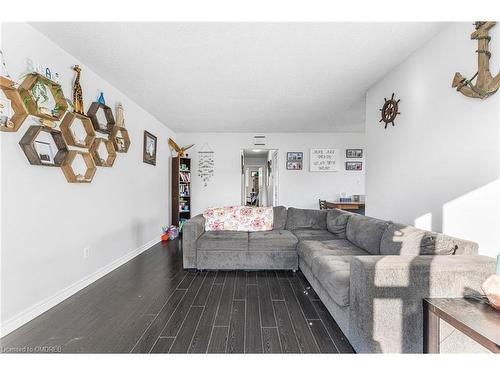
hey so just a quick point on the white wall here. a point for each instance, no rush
(46, 222)
(439, 167)
(296, 188)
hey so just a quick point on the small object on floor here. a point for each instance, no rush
(170, 233)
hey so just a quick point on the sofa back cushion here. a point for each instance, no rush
(336, 222)
(366, 232)
(298, 218)
(400, 239)
(279, 217)
(238, 218)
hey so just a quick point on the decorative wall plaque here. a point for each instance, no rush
(324, 160)
(205, 163)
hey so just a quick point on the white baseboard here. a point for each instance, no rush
(37, 309)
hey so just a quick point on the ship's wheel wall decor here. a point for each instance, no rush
(389, 111)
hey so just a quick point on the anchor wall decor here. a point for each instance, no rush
(486, 84)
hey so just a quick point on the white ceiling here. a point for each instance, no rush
(245, 77)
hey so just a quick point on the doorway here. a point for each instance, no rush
(259, 177)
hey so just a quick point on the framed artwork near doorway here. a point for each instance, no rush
(354, 166)
(354, 153)
(294, 161)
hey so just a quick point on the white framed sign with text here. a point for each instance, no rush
(324, 160)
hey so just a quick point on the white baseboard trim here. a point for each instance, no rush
(39, 308)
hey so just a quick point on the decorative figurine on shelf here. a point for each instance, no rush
(181, 151)
(120, 121)
(77, 92)
(3, 67)
(491, 287)
(101, 99)
(5, 113)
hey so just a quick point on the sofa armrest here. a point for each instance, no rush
(191, 231)
(386, 293)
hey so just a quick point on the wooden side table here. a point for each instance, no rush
(477, 320)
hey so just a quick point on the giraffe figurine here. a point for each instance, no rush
(77, 92)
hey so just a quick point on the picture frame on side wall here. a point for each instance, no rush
(294, 161)
(149, 148)
(354, 166)
(354, 153)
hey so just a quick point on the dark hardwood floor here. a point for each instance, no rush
(151, 305)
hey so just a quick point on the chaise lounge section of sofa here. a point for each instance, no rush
(371, 274)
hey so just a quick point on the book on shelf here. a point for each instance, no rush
(184, 191)
(185, 176)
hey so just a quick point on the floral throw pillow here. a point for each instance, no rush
(238, 218)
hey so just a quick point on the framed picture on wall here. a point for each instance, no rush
(294, 161)
(354, 166)
(149, 149)
(354, 153)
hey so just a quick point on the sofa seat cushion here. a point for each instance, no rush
(366, 232)
(333, 273)
(223, 241)
(314, 235)
(308, 250)
(298, 218)
(272, 240)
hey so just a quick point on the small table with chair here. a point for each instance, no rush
(358, 207)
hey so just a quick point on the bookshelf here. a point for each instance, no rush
(181, 191)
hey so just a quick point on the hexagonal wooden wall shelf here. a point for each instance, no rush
(30, 101)
(93, 112)
(122, 143)
(69, 135)
(103, 160)
(20, 111)
(28, 145)
(69, 172)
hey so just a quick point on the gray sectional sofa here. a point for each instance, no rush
(371, 274)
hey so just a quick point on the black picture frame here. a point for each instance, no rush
(355, 166)
(354, 153)
(294, 160)
(147, 156)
